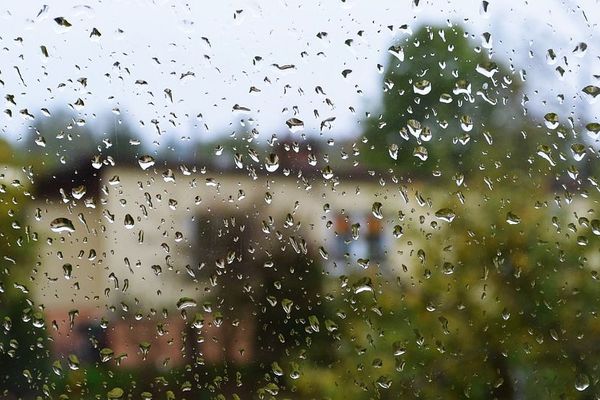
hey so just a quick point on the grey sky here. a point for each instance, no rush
(281, 32)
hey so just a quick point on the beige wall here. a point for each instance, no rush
(114, 243)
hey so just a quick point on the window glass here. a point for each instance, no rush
(299, 200)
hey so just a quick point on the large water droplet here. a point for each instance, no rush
(578, 151)
(146, 161)
(272, 162)
(60, 225)
(186, 302)
(593, 129)
(115, 393)
(551, 120)
(422, 87)
(67, 270)
(545, 152)
(512, 219)
(445, 214)
(327, 172)
(582, 382)
(421, 153)
(129, 222)
(592, 92)
(393, 151)
(295, 124)
(376, 210)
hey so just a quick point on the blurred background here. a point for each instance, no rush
(324, 201)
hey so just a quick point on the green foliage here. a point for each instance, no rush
(443, 94)
(24, 352)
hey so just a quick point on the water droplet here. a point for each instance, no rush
(168, 175)
(393, 151)
(272, 162)
(595, 225)
(578, 151)
(580, 49)
(421, 153)
(60, 225)
(73, 362)
(512, 219)
(287, 305)
(62, 22)
(67, 270)
(146, 161)
(398, 231)
(295, 124)
(445, 214)
(592, 91)
(327, 172)
(487, 69)
(129, 222)
(445, 98)
(593, 129)
(376, 210)
(115, 393)
(106, 354)
(314, 323)
(447, 268)
(582, 382)
(186, 302)
(97, 161)
(78, 192)
(551, 120)
(384, 382)
(550, 57)
(545, 152)
(363, 285)
(272, 389)
(57, 368)
(422, 87)
(144, 349)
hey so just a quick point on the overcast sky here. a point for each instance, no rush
(204, 54)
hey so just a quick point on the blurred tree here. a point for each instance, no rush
(442, 97)
(493, 303)
(59, 142)
(24, 354)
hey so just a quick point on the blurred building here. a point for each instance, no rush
(128, 255)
